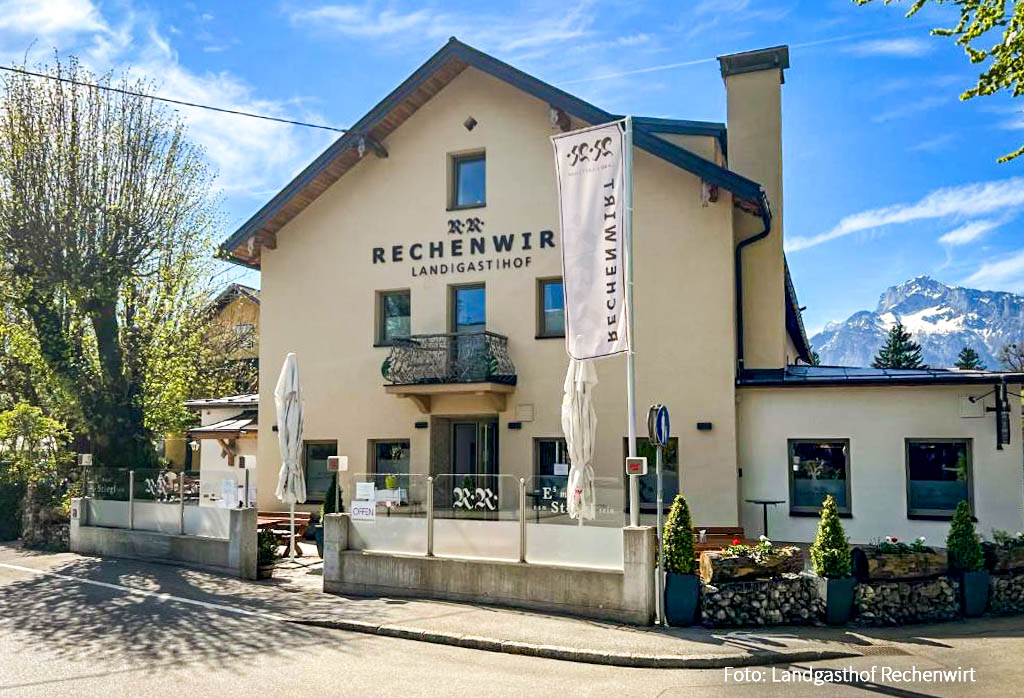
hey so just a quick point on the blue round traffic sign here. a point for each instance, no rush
(658, 425)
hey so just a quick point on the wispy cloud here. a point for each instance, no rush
(901, 48)
(1006, 273)
(969, 232)
(50, 18)
(905, 110)
(968, 200)
(933, 144)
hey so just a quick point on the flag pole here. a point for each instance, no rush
(627, 232)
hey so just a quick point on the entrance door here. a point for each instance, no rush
(474, 447)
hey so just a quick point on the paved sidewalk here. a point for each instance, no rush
(294, 596)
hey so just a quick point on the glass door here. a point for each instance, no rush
(468, 322)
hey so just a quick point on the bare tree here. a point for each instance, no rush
(1011, 356)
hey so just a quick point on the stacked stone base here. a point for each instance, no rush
(789, 600)
(896, 603)
(1006, 593)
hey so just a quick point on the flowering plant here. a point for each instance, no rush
(761, 551)
(893, 545)
(1007, 540)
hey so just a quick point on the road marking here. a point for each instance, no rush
(160, 596)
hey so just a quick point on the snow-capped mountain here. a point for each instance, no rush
(943, 319)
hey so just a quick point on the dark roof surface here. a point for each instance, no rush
(247, 400)
(243, 423)
(842, 375)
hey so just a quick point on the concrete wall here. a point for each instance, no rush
(876, 421)
(235, 556)
(319, 284)
(627, 596)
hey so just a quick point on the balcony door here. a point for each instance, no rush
(468, 322)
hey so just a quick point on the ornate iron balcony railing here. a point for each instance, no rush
(471, 357)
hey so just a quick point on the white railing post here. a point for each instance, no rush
(522, 520)
(430, 516)
(249, 504)
(181, 504)
(131, 500)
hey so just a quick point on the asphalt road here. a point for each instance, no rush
(63, 636)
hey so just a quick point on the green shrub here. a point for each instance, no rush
(328, 506)
(830, 552)
(680, 551)
(266, 547)
(963, 543)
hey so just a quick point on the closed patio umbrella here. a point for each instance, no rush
(579, 424)
(291, 485)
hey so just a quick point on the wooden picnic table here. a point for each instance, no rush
(280, 524)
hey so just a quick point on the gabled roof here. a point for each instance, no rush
(243, 424)
(245, 244)
(795, 317)
(233, 291)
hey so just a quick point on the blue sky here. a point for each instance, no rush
(887, 174)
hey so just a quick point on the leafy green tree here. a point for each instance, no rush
(106, 226)
(830, 552)
(969, 360)
(990, 33)
(680, 550)
(963, 544)
(899, 350)
(30, 442)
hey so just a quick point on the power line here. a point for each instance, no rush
(129, 93)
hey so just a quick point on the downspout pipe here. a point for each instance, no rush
(766, 217)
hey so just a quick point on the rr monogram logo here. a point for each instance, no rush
(585, 152)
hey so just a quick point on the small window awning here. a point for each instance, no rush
(240, 426)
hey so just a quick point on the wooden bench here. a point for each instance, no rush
(280, 523)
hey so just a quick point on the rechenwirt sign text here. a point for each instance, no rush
(448, 256)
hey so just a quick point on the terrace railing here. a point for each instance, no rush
(470, 357)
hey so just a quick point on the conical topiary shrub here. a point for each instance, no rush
(830, 557)
(682, 587)
(680, 550)
(830, 553)
(967, 561)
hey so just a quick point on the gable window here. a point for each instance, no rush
(550, 308)
(394, 316)
(245, 335)
(939, 476)
(314, 462)
(468, 181)
(649, 483)
(818, 468)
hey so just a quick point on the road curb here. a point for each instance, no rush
(583, 655)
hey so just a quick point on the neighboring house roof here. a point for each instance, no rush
(245, 244)
(233, 291)
(248, 400)
(686, 128)
(815, 376)
(245, 423)
(795, 318)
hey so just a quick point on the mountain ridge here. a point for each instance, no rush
(943, 319)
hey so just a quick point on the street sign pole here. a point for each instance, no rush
(657, 433)
(627, 225)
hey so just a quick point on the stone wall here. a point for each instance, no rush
(895, 603)
(45, 524)
(1006, 593)
(791, 599)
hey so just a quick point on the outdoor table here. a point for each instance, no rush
(272, 522)
(764, 506)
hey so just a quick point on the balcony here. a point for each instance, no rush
(473, 363)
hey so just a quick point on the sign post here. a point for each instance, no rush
(657, 433)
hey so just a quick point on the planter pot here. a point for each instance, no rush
(872, 564)
(682, 598)
(318, 534)
(717, 569)
(999, 559)
(974, 593)
(264, 571)
(838, 597)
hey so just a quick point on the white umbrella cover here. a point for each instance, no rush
(291, 485)
(579, 424)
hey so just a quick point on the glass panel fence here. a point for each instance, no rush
(554, 538)
(388, 513)
(106, 490)
(476, 516)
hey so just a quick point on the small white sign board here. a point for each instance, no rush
(366, 491)
(561, 468)
(364, 511)
(392, 495)
(337, 464)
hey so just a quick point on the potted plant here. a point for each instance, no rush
(326, 508)
(967, 562)
(266, 554)
(682, 586)
(830, 558)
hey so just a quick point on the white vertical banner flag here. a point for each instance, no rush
(589, 166)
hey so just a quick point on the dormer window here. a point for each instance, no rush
(468, 180)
